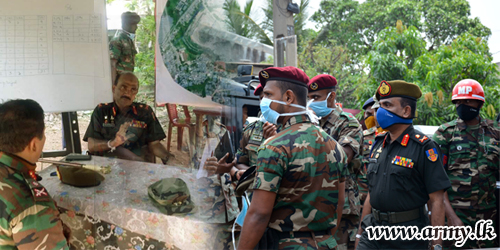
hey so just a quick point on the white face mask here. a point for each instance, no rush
(272, 116)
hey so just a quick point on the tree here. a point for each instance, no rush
(240, 22)
(399, 53)
(357, 25)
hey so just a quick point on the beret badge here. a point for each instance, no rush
(384, 89)
(264, 74)
(314, 86)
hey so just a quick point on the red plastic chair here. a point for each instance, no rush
(175, 121)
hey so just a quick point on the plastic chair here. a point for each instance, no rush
(174, 121)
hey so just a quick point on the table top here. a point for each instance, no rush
(122, 199)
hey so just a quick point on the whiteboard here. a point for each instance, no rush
(55, 52)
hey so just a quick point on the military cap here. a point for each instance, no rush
(368, 103)
(258, 90)
(171, 196)
(398, 88)
(323, 81)
(79, 176)
(130, 17)
(288, 74)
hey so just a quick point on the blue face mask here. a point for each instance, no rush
(132, 36)
(272, 116)
(386, 118)
(321, 107)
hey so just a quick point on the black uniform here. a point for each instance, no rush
(106, 120)
(401, 175)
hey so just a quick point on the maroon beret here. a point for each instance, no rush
(320, 82)
(287, 74)
(258, 90)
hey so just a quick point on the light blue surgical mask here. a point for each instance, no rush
(132, 36)
(386, 118)
(241, 217)
(321, 107)
(271, 116)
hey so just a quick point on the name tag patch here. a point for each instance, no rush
(402, 161)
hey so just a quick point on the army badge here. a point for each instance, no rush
(314, 86)
(264, 74)
(384, 89)
(404, 143)
(432, 154)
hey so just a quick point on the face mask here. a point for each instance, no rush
(386, 118)
(321, 107)
(132, 36)
(241, 217)
(272, 116)
(370, 122)
(467, 113)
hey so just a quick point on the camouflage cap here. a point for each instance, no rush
(79, 176)
(171, 196)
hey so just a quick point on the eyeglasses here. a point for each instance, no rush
(132, 90)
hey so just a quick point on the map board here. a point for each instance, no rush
(55, 52)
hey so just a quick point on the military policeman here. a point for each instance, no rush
(299, 185)
(368, 139)
(404, 172)
(122, 48)
(30, 218)
(124, 128)
(344, 128)
(470, 146)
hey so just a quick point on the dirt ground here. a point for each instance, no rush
(53, 132)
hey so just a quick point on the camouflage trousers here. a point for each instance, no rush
(323, 242)
(346, 233)
(470, 217)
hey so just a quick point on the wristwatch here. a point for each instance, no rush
(437, 247)
(111, 147)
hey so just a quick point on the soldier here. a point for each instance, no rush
(124, 128)
(122, 48)
(404, 172)
(368, 139)
(299, 185)
(470, 146)
(344, 128)
(30, 218)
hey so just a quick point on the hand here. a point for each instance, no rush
(356, 243)
(455, 221)
(269, 130)
(239, 174)
(121, 136)
(214, 166)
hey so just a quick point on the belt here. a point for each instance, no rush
(397, 217)
(302, 234)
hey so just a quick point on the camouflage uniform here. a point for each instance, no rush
(30, 219)
(106, 120)
(344, 128)
(471, 160)
(302, 165)
(368, 140)
(251, 139)
(122, 49)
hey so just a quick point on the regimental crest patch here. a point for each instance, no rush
(264, 74)
(384, 89)
(403, 161)
(432, 154)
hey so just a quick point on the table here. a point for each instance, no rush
(120, 208)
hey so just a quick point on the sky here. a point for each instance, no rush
(485, 10)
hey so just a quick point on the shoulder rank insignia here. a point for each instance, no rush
(403, 161)
(424, 139)
(432, 154)
(404, 142)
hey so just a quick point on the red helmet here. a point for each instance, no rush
(468, 89)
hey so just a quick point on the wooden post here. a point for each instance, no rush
(283, 27)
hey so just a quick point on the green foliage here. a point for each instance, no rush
(240, 22)
(399, 53)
